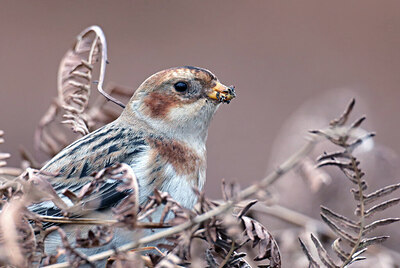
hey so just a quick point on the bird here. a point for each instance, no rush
(161, 134)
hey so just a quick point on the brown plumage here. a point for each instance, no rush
(161, 134)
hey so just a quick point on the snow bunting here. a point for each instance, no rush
(161, 134)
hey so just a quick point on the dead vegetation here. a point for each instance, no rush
(213, 234)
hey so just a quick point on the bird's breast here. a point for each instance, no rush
(182, 157)
(171, 166)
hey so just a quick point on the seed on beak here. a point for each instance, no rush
(222, 93)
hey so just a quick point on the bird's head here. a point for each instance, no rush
(179, 101)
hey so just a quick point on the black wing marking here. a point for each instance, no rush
(102, 148)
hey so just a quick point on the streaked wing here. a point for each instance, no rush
(113, 143)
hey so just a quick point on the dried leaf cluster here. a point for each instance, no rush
(74, 82)
(23, 243)
(213, 234)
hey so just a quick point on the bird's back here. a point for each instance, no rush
(106, 146)
(115, 142)
(157, 161)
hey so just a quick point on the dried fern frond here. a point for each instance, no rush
(74, 82)
(51, 136)
(352, 236)
(75, 77)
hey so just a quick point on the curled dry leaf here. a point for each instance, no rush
(127, 211)
(246, 208)
(75, 258)
(268, 247)
(91, 187)
(97, 237)
(345, 116)
(311, 261)
(89, 197)
(74, 81)
(37, 188)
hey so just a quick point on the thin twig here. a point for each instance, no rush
(228, 256)
(293, 217)
(103, 43)
(290, 163)
(11, 171)
(93, 221)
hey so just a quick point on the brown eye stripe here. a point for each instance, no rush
(159, 104)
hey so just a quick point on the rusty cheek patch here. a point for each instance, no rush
(184, 160)
(160, 104)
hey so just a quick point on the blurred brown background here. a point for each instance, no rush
(287, 59)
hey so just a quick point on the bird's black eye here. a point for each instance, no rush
(180, 86)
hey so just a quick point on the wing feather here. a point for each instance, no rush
(100, 149)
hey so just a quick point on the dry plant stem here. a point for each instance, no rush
(91, 221)
(101, 36)
(227, 256)
(362, 213)
(290, 163)
(77, 220)
(292, 216)
(147, 249)
(12, 171)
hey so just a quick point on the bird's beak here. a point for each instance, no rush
(222, 93)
